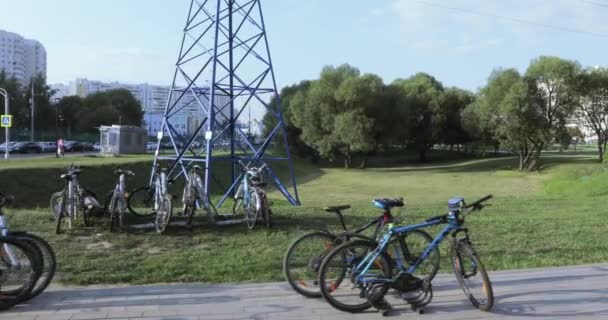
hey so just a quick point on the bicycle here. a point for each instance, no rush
(116, 204)
(67, 204)
(369, 269)
(163, 207)
(304, 256)
(251, 196)
(17, 247)
(193, 192)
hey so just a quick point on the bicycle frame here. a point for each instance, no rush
(453, 224)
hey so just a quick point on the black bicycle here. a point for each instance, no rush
(27, 263)
(304, 256)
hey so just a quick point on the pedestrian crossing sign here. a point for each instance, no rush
(6, 121)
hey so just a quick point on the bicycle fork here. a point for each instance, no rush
(7, 249)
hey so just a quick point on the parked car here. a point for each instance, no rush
(68, 146)
(84, 147)
(151, 146)
(97, 147)
(10, 147)
(26, 147)
(48, 146)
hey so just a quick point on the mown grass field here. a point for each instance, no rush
(555, 217)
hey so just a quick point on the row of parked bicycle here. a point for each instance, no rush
(154, 200)
(354, 272)
(27, 263)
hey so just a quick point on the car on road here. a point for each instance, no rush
(97, 147)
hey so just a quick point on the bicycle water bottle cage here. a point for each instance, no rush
(388, 204)
(456, 204)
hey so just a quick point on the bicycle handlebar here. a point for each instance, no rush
(476, 204)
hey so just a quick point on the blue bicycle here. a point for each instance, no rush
(358, 274)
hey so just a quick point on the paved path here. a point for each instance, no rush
(557, 293)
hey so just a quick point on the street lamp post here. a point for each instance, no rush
(56, 101)
(6, 111)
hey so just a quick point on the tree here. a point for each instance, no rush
(553, 96)
(69, 108)
(592, 107)
(108, 108)
(421, 102)
(270, 120)
(453, 103)
(339, 100)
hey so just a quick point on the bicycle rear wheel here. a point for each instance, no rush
(303, 260)
(64, 218)
(472, 275)
(141, 202)
(338, 282)
(49, 262)
(19, 271)
(409, 247)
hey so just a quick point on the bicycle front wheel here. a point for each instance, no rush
(472, 276)
(303, 260)
(252, 211)
(141, 202)
(163, 216)
(19, 270)
(49, 262)
(64, 218)
(55, 205)
(338, 280)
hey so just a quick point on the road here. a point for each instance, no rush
(46, 155)
(556, 293)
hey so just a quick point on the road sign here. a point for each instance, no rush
(6, 121)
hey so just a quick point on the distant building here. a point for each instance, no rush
(187, 115)
(21, 58)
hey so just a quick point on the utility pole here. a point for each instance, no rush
(6, 111)
(32, 133)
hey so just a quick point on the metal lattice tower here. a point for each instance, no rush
(224, 69)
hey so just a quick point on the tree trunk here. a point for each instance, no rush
(363, 163)
(422, 155)
(601, 148)
(347, 161)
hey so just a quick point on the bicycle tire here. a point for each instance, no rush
(21, 293)
(428, 269)
(147, 201)
(49, 262)
(459, 248)
(55, 203)
(252, 213)
(113, 210)
(329, 287)
(164, 216)
(62, 214)
(312, 266)
(266, 212)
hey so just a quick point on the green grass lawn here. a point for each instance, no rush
(555, 217)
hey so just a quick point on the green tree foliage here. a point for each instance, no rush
(421, 103)
(107, 108)
(335, 106)
(592, 107)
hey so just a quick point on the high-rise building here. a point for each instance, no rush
(21, 58)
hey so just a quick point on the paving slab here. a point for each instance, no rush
(579, 292)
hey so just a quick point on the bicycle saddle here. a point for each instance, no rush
(197, 167)
(127, 172)
(336, 208)
(6, 200)
(387, 204)
(66, 176)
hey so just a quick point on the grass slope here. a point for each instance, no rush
(552, 218)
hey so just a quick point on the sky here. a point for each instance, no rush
(459, 42)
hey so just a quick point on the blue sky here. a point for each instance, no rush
(459, 41)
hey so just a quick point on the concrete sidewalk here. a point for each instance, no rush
(556, 293)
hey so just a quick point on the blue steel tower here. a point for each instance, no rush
(223, 71)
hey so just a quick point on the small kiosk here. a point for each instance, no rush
(118, 140)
